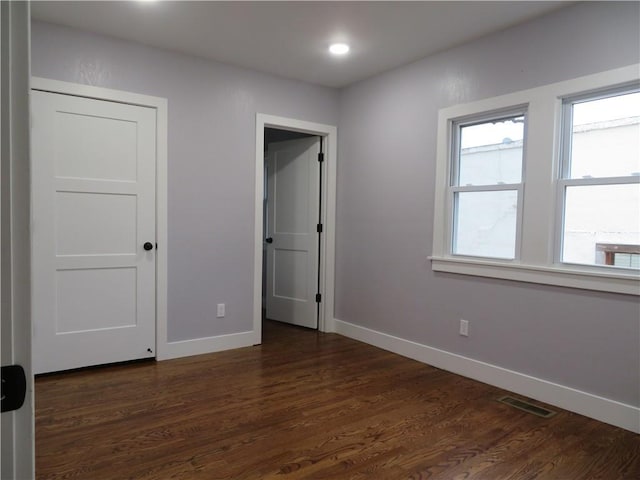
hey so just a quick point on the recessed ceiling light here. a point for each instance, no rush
(339, 48)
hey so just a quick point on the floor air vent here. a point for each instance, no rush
(527, 407)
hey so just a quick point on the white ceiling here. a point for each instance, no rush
(291, 38)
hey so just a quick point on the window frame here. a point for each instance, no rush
(455, 187)
(565, 181)
(538, 261)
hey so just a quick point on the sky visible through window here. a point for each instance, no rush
(607, 109)
(492, 133)
(593, 111)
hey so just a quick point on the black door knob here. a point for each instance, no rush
(268, 240)
(148, 246)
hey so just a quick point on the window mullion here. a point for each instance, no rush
(541, 169)
(486, 188)
(571, 182)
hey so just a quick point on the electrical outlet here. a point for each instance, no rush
(464, 328)
(220, 310)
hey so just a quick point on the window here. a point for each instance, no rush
(600, 177)
(618, 255)
(486, 185)
(543, 185)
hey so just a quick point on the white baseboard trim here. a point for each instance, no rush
(199, 346)
(589, 405)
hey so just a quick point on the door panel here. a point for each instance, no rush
(94, 298)
(95, 223)
(111, 160)
(93, 209)
(291, 281)
(292, 216)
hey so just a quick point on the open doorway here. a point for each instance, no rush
(294, 223)
(292, 228)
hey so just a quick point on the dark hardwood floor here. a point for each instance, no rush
(307, 405)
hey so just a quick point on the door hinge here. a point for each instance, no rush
(319, 228)
(14, 387)
(318, 298)
(321, 157)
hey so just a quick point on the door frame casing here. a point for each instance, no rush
(17, 440)
(329, 133)
(160, 106)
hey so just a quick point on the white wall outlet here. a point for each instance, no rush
(464, 327)
(220, 310)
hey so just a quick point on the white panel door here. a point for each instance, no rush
(93, 205)
(293, 188)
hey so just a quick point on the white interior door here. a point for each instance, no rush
(93, 208)
(293, 189)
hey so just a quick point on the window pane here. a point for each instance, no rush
(601, 214)
(485, 224)
(491, 152)
(629, 260)
(606, 137)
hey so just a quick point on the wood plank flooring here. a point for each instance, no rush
(307, 405)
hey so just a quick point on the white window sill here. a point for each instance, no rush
(565, 276)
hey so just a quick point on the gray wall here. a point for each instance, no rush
(387, 157)
(212, 109)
